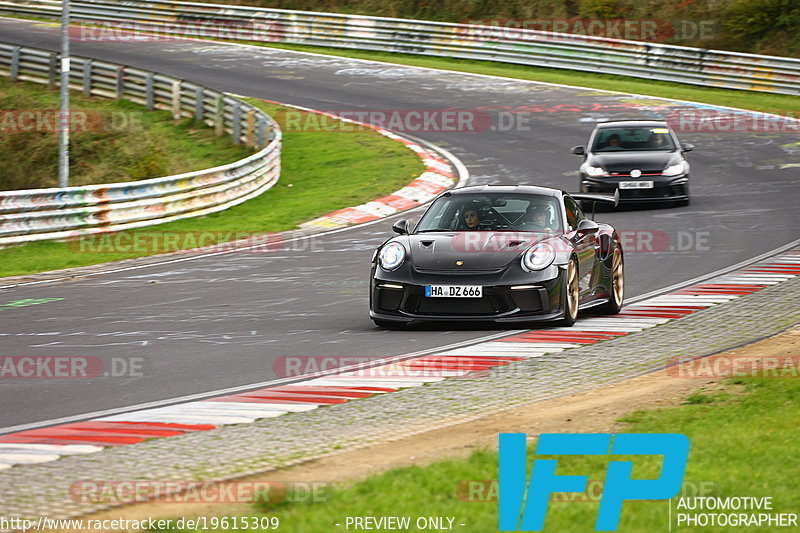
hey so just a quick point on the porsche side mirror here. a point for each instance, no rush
(588, 226)
(578, 150)
(401, 226)
(688, 147)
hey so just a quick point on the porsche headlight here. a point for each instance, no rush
(391, 256)
(539, 256)
(675, 170)
(595, 171)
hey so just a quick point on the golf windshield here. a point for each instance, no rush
(633, 139)
(492, 212)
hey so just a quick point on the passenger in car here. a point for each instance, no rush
(471, 219)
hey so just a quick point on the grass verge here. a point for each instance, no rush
(321, 171)
(111, 140)
(743, 443)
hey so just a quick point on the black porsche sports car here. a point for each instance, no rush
(504, 254)
(642, 158)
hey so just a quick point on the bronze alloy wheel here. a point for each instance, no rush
(618, 277)
(573, 291)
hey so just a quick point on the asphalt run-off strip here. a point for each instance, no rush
(49, 443)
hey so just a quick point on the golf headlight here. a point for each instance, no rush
(595, 171)
(675, 170)
(391, 256)
(539, 256)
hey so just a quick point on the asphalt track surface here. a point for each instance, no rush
(223, 321)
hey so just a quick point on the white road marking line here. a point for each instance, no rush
(600, 329)
(184, 419)
(353, 382)
(535, 346)
(288, 407)
(22, 458)
(61, 449)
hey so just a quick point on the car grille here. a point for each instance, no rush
(671, 190)
(656, 192)
(488, 305)
(495, 301)
(645, 173)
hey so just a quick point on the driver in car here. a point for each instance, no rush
(536, 218)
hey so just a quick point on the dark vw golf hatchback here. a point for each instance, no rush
(643, 159)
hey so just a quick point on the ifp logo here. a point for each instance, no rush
(523, 507)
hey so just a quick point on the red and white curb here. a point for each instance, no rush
(437, 178)
(47, 444)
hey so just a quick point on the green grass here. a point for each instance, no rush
(111, 141)
(742, 444)
(321, 172)
(766, 102)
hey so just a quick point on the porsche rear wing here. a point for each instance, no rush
(594, 197)
(597, 197)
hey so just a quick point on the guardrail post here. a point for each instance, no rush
(52, 71)
(261, 132)
(15, 52)
(119, 85)
(87, 77)
(250, 132)
(236, 126)
(198, 104)
(176, 99)
(219, 117)
(149, 93)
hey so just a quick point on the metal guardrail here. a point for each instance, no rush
(528, 47)
(58, 213)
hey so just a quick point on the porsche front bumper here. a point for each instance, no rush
(503, 301)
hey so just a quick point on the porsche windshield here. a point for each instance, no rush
(633, 139)
(492, 212)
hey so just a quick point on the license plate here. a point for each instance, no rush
(453, 291)
(635, 184)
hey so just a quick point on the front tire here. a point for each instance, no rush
(617, 288)
(571, 295)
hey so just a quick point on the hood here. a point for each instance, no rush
(626, 161)
(479, 250)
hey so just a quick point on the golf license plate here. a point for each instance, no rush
(453, 291)
(635, 184)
